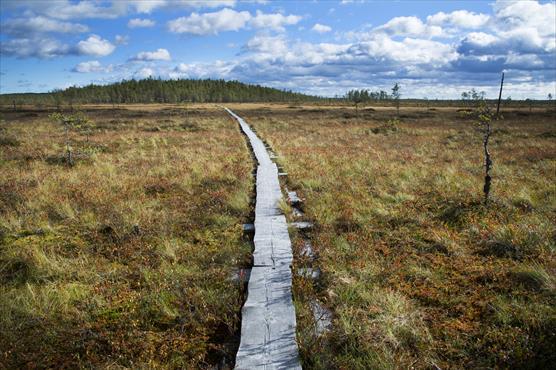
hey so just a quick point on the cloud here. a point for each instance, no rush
(46, 48)
(210, 23)
(138, 22)
(95, 46)
(408, 26)
(275, 45)
(147, 6)
(383, 49)
(42, 48)
(66, 9)
(88, 9)
(121, 40)
(275, 59)
(40, 24)
(208, 3)
(218, 69)
(92, 66)
(477, 43)
(321, 28)
(274, 21)
(144, 73)
(459, 18)
(229, 20)
(433, 56)
(160, 54)
(510, 15)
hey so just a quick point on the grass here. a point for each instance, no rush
(417, 271)
(123, 260)
(127, 258)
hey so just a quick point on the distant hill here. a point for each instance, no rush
(159, 91)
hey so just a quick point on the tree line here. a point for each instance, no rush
(152, 90)
(363, 96)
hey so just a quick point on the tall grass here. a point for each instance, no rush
(124, 259)
(418, 272)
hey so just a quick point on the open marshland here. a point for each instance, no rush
(128, 257)
(416, 270)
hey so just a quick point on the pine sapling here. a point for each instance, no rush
(70, 121)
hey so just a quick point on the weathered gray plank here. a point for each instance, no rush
(268, 317)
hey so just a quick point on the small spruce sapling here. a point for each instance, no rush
(69, 121)
(356, 98)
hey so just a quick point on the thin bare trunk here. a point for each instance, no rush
(500, 96)
(488, 132)
(488, 162)
(68, 148)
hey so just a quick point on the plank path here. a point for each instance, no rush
(268, 316)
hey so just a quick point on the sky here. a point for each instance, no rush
(433, 49)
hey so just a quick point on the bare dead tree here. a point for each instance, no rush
(500, 96)
(485, 120)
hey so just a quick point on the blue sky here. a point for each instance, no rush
(434, 49)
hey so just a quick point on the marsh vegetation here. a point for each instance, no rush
(417, 271)
(124, 259)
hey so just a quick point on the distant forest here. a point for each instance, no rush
(152, 90)
(159, 91)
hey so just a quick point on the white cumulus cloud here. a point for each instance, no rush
(458, 18)
(144, 73)
(274, 21)
(88, 9)
(210, 23)
(160, 54)
(95, 46)
(92, 66)
(267, 44)
(409, 26)
(36, 47)
(321, 28)
(138, 23)
(230, 20)
(40, 24)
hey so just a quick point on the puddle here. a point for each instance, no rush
(302, 225)
(241, 275)
(293, 198)
(308, 272)
(297, 213)
(307, 250)
(322, 317)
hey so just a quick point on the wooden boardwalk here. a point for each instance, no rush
(268, 323)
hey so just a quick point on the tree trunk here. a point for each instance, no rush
(488, 163)
(69, 158)
(488, 131)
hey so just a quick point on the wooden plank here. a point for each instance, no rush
(268, 325)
